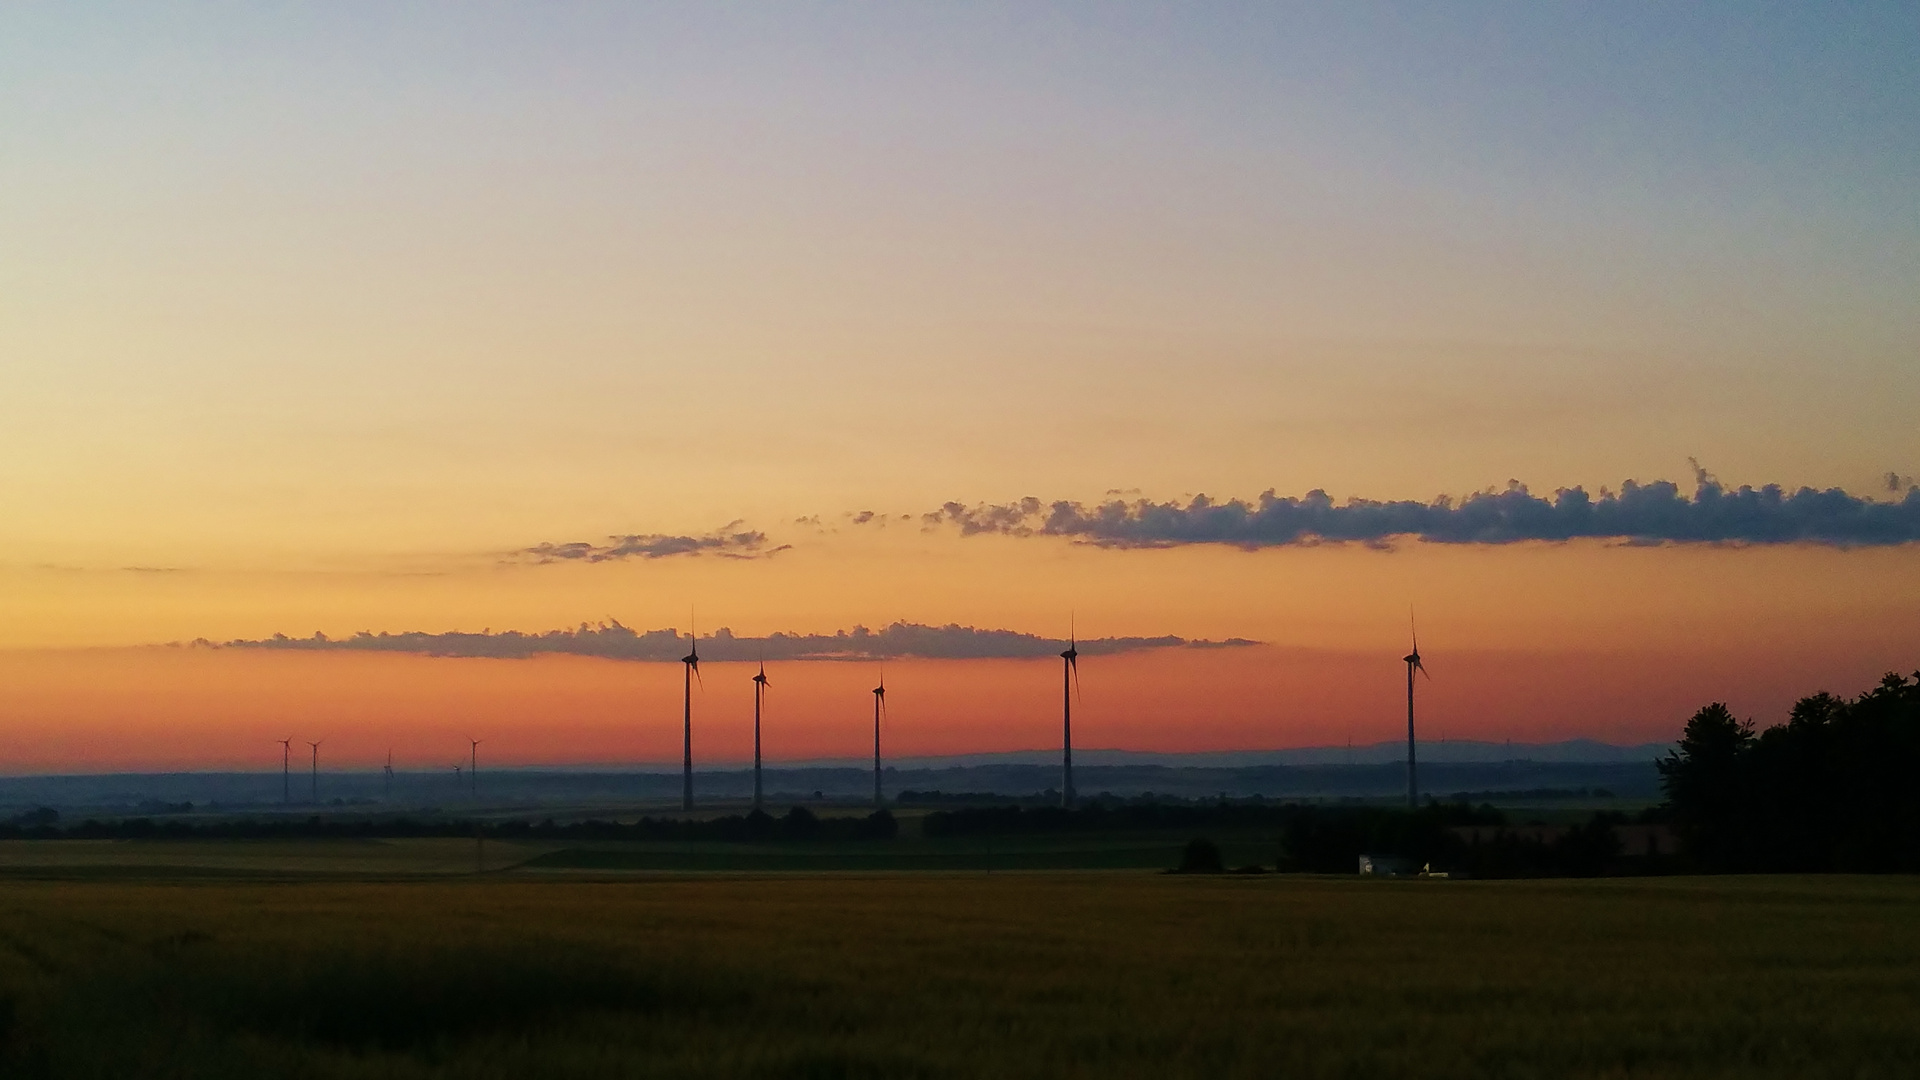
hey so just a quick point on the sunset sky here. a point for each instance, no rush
(435, 317)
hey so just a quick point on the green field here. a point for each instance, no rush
(936, 974)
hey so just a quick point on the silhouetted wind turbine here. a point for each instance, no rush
(759, 694)
(315, 797)
(1412, 661)
(473, 771)
(1069, 684)
(879, 707)
(286, 769)
(692, 661)
(386, 775)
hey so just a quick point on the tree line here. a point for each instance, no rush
(1835, 788)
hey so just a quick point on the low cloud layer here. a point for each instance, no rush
(729, 542)
(1653, 513)
(614, 641)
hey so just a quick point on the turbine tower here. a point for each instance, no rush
(386, 774)
(315, 796)
(692, 662)
(1069, 683)
(286, 769)
(759, 695)
(1412, 661)
(473, 769)
(879, 707)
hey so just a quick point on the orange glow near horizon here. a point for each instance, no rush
(185, 709)
(331, 339)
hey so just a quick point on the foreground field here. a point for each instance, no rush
(934, 975)
(391, 858)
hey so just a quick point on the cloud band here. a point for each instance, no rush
(725, 542)
(1652, 513)
(613, 641)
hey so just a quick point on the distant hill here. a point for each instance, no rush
(1450, 750)
(1374, 771)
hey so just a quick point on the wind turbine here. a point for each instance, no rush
(759, 694)
(879, 708)
(315, 797)
(286, 769)
(1069, 685)
(692, 661)
(387, 775)
(1412, 660)
(473, 771)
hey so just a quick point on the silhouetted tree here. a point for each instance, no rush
(1702, 780)
(799, 824)
(1834, 788)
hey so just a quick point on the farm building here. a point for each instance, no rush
(1384, 866)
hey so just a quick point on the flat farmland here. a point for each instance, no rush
(1095, 974)
(139, 859)
(440, 856)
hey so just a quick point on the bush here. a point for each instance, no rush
(1202, 856)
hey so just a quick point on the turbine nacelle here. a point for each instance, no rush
(692, 660)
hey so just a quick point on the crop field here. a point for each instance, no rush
(942, 974)
(1135, 850)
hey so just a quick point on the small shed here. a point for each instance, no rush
(1384, 866)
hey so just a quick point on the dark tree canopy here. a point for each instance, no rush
(1836, 787)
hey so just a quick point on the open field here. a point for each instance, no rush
(943, 974)
(401, 858)
(404, 857)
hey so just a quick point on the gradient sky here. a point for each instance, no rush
(311, 316)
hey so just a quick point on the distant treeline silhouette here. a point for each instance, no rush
(1330, 839)
(1543, 794)
(798, 823)
(1835, 788)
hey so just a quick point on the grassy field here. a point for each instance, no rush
(1108, 974)
(388, 858)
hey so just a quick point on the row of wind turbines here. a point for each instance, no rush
(386, 771)
(1069, 687)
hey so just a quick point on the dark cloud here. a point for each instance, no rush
(729, 541)
(1652, 513)
(612, 640)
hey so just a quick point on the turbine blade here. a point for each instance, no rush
(1073, 665)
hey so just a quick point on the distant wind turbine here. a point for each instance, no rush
(473, 771)
(1412, 661)
(315, 797)
(1069, 685)
(759, 695)
(386, 775)
(879, 709)
(692, 661)
(286, 769)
